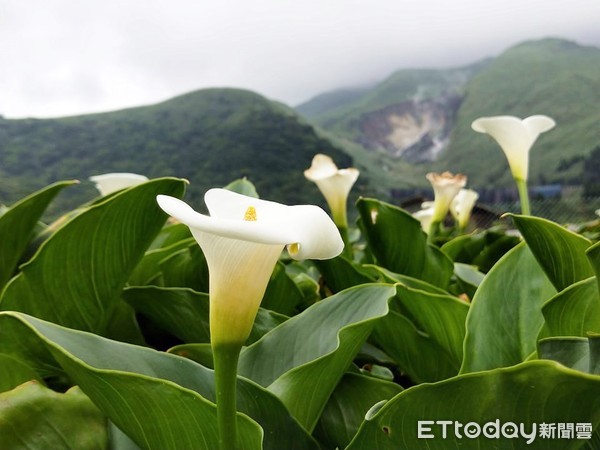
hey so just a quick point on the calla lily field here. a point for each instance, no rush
(141, 321)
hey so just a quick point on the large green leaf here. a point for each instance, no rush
(34, 417)
(282, 295)
(17, 225)
(76, 277)
(574, 311)
(572, 352)
(593, 254)
(505, 317)
(160, 400)
(560, 252)
(311, 351)
(400, 245)
(531, 393)
(14, 372)
(345, 411)
(424, 333)
(148, 270)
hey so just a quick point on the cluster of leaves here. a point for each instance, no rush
(104, 340)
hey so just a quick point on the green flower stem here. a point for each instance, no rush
(434, 230)
(523, 196)
(347, 252)
(225, 361)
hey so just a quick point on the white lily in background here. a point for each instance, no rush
(445, 187)
(425, 215)
(112, 182)
(462, 205)
(335, 185)
(242, 240)
(516, 137)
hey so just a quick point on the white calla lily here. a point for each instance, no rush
(462, 206)
(335, 185)
(425, 216)
(445, 187)
(112, 182)
(242, 240)
(516, 137)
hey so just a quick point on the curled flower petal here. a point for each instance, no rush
(515, 136)
(112, 182)
(335, 184)
(462, 206)
(445, 187)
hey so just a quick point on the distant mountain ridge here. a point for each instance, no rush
(419, 120)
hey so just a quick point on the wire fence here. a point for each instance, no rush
(564, 211)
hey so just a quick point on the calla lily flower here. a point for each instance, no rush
(515, 137)
(445, 187)
(242, 240)
(425, 216)
(462, 206)
(112, 182)
(334, 184)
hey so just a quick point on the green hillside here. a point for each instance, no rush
(209, 137)
(553, 77)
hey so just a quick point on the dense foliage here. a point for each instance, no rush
(104, 340)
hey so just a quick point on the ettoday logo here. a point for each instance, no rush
(445, 429)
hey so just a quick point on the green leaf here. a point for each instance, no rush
(400, 245)
(388, 276)
(282, 295)
(593, 254)
(242, 186)
(340, 273)
(424, 333)
(186, 268)
(560, 252)
(17, 225)
(160, 400)
(575, 311)
(148, 270)
(77, 276)
(571, 352)
(14, 372)
(468, 278)
(482, 250)
(530, 393)
(170, 234)
(34, 417)
(311, 351)
(505, 317)
(345, 411)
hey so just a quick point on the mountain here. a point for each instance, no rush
(419, 120)
(210, 137)
(553, 77)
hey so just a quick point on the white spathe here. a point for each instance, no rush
(462, 206)
(242, 240)
(111, 182)
(335, 184)
(445, 187)
(516, 137)
(425, 216)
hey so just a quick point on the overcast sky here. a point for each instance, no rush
(65, 57)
